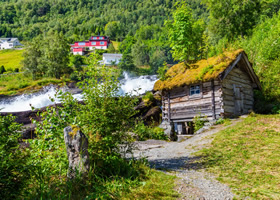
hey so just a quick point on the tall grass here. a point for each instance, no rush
(18, 83)
(11, 59)
(246, 157)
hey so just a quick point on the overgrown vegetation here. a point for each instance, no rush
(145, 132)
(15, 170)
(246, 157)
(106, 119)
(11, 84)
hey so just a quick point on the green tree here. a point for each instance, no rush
(184, 33)
(233, 18)
(32, 56)
(56, 55)
(112, 29)
(47, 56)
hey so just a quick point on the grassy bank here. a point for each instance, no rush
(246, 157)
(11, 59)
(19, 83)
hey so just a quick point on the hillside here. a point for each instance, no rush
(78, 19)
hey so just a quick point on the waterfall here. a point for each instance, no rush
(129, 84)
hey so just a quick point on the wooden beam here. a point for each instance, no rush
(169, 116)
(213, 99)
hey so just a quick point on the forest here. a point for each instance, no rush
(152, 35)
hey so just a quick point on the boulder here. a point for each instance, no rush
(77, 152)
(153, 115)
(169, 130)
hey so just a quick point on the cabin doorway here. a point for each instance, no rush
(238, 100)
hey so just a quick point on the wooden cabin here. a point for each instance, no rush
(220, 86)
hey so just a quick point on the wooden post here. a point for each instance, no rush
(213, 99)
(169, 117)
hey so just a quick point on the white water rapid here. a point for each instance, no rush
(130, 84)
(137, 85)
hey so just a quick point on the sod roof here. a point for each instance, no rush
(202, 71)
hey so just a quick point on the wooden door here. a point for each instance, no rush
(238, 100)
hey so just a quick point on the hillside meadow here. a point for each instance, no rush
(11, 59)
(246, 157)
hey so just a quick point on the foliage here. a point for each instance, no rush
(11, 84)
(199, 121)
(245, 157)
(11, 58)
(78, 20)
(114, 30)
(47, 56)
(158, 186)
(144, 132)
(14, 169)
(2, 69)
(265, 55)
(235, 18)
(162, 71)
(224, 121)
(185, 34)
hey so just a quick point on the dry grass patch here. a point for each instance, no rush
(246, 157)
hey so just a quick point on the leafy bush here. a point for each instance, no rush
(105, 118)
(14, 168)
(161, 72)
(148, 98)
(144, 132)
(199, 121)
(2, 69)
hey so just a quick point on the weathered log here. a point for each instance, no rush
(77, 152)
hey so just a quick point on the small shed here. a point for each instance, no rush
(220, 86)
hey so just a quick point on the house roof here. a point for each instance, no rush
(205, 70)
(8, 39)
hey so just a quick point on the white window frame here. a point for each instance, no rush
(195, 88)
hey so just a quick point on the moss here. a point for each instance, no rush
(74, 131)
(202, 71)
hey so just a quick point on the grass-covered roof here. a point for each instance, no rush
(202, 71)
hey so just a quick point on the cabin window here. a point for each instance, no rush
(94, 38)
(101, 43)
(195, 90)
(81, 43)
(93, 43)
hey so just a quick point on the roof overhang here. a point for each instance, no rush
(247, 66)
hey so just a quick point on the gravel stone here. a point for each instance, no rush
(176, 158)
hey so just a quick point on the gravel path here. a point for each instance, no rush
(176, 158)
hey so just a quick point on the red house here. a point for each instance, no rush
(94, 42)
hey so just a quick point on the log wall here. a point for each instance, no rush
(184, 107)
(237, 93)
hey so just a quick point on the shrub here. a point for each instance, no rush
(2, 69)
(14, 168)
(199, 122)
(145, 132)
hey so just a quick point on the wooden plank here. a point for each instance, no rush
(213, 100)
(169, 116)
(238, 80)
(182, 116)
